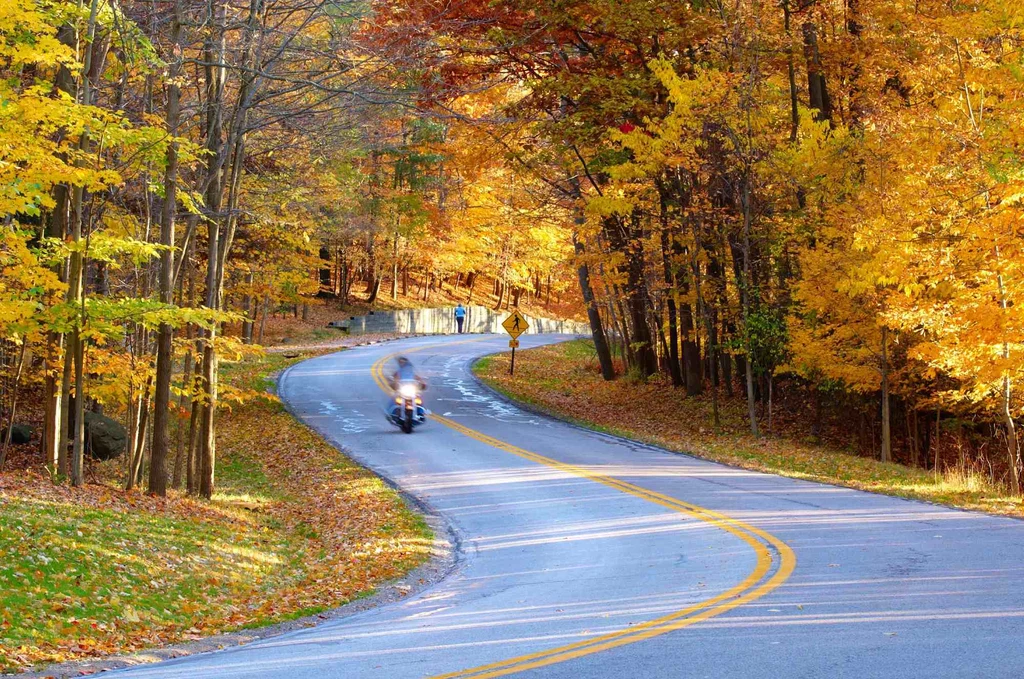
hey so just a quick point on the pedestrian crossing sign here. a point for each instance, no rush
(515, 325)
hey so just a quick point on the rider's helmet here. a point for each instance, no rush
(402, 360)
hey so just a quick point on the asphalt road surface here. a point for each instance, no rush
(583, 555)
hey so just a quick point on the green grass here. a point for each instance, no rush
(294, 528)
(69, 571)
(241, 480)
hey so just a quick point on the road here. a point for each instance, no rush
(583, 555)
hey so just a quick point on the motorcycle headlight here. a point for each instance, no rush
(407, 391)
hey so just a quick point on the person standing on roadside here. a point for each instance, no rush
(460, 317)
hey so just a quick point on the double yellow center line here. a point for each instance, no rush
(759, 582)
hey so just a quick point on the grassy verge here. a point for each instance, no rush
(564, 380)
(295, 528)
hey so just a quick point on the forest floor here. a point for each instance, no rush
(295, 528)
(564, 380)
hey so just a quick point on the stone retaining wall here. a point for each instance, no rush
(441, 321)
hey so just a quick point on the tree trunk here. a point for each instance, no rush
(501, 296)
(691, 354)
(663, 355)
(816, 86)
(134, 417)
(324, 270)
(336, 272)
(912, 436)
(265, 308)
(713, 364)
(191, 457)
(65, 413)
(712, 349)
(374, 289)
(78, 445)
(164, 345)
(51, 439)
(706, 313)
(854, 28)
(394, 269)
(794, 101)
(670, 301)
(220, 153)
(76, 289)
(604, 355)
(138, 440)
(886, 430)
(207, 440)
(248, 308)
(14, 403)
(623, 239)
(180, 454)
(346, 281)
(1012, 448)
(745, 199)
(622, 318)
(816, 423)
(55, 419)
(647, 359)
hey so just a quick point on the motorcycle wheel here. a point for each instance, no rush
(407, 422)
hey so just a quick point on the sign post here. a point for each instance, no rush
(515, 325)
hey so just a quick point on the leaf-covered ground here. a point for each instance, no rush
(564, 380)
(295, 528)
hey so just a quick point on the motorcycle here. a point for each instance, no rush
(407, 409)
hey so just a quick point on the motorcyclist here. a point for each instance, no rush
(406, 373)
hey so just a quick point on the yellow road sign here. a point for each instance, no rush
(513, 343)
(515, 325)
